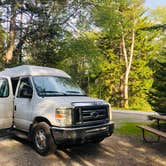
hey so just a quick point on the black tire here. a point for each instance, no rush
(98, 140)
(42, 139)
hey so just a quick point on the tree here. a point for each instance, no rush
(80, 58)
(2, 47)
(12, 28)
(157, 95)
(124, 44)
(141, 75)
(53, 28)
(22, 18)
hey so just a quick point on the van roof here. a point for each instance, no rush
(29, 70)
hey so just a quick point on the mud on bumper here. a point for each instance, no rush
(65, 136)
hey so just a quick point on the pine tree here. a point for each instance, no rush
(157, 95)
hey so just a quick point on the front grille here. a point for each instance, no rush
(90, 115)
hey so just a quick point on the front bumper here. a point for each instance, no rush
(79, 135)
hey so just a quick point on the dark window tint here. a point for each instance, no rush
(14, 84)
(4, 87)
(24, 84)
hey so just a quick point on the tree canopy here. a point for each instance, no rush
(110, 47)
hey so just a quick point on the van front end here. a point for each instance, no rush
(82, 123)
(69, 136)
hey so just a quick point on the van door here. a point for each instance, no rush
(23, 106)
(6, 104)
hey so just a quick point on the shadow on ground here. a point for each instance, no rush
(116, 150)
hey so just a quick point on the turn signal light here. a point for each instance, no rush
(59, 116)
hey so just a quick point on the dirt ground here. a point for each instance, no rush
(113, 151)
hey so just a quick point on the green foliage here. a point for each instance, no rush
(84, 38)
(45, 35)
(159, 15)
(44, 46)
(141, 74)
(39, 30)
(157, 95)
(108, 82)
(114, 20)
(81, 58)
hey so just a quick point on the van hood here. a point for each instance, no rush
(72, 101)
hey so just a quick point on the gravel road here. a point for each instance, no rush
(113, 151)
(117, 150)
(130, 116)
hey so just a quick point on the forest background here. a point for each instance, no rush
(114, 49)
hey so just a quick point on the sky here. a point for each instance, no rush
(154, 3)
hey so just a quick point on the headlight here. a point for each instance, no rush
(63, 117)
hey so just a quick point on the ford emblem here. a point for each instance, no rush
(94, 114)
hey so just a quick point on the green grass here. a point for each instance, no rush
(129, 128)
(132, 109)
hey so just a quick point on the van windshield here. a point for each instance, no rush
(56, 86)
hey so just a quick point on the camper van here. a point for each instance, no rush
(49, 108)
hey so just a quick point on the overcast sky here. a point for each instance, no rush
(154, 3)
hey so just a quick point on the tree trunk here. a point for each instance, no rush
(21, 33)
(125, 91)
(125, 81)
(128, 62)
(121, 91)
(11, 42)
(121, 85)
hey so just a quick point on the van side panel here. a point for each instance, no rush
(6, 106)
(6, 113)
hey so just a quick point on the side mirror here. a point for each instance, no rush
(27, 92)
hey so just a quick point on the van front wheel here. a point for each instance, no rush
(42, 139)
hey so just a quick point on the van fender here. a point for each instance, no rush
(35, 122)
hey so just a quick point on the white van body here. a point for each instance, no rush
(70, 116)
(6, 107)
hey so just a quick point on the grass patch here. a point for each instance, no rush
(129, 128)
(132, 109)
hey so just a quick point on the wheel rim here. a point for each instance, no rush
(40, 139)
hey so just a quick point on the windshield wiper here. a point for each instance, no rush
(74, 93)
(70, 91)
(50, 93)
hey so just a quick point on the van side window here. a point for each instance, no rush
(14, 84)
(4, 87)
(24, 83)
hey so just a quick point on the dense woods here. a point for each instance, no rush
(114, 49)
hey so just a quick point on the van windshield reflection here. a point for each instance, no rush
(56, 86)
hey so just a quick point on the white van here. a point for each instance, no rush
(50, 109)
